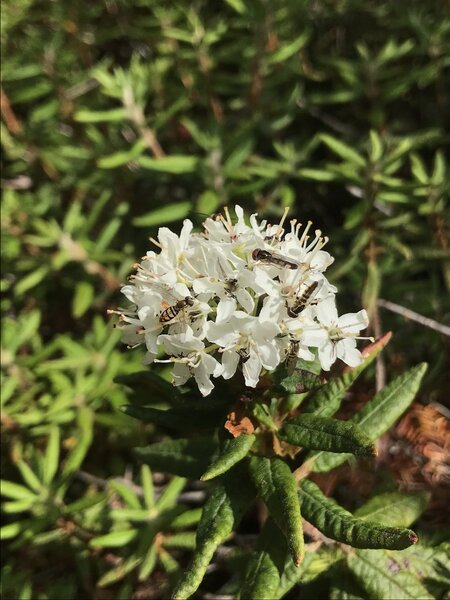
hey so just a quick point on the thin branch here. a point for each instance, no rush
(407, 313)
(12, 122)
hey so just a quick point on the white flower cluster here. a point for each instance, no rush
(237, 295)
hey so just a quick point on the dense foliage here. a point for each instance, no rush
(118, 117)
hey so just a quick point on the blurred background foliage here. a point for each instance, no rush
(120, 116)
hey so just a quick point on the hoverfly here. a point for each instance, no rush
(292, 355)
(270, 258)
(172, 311)
(302, 301)
(244, 354)
(230, 286)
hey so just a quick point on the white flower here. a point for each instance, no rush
(240, 295)
(340, 336)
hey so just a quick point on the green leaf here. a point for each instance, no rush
(342, 150)
(323, 433)
(339, 524)
(183, 417)
(185, 540)
(116, 539)
(233, 451)
(170, 494)
(175, 164)
(119, 572)
(16, 491)
(262, 575)
(187, 458)
(126, 493)
(316, 174)
(31, 280)
(148, 387)
(221, 515)
(379, 414)
(100, 116)
(371, 289)
(51, 458)
(276, 485)
(120, 158)
(327, 400)
(173, 211)
(147, 486)
(382, 576)
(82, 300)
(29, 476)
(399, 509)
(84, 440)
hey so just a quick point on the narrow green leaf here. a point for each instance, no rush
(29, 477)
(174, 211)
(185, 540)
(221, 515)
(126, 493)
(187, 458)
(170, 494)
(384, 578)
(323, 433)
(116, 539)
(149, 562)
(170, 164)
(342, 150)
(84, 294)
(78, 453)
(316, 174)
(276, 485)
(31, 280)
(262, 575)
(327, 400)
(339, 524)
(119, 572)
(233, 451)
(100, 116)
(186, 519)
(51, 456)
(147, 486)
(379, 414)
(120, 158)
(399, 509)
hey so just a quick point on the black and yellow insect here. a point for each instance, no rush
(173, 311)
(270, 258)
(302, 301)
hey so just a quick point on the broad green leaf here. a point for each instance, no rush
(262, 576)
(170, 164)
(327, 400)
(233, 451)
(51, 458)
(276, 485)
(339, 524)
(173, 211)
(115, 539)
(345, 588)
(323, 433)
(187, 458)
(342, 150)
(383, 577)
(379, 414)
(398, 509)
(220, 517)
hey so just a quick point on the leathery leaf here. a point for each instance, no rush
(339, 524)
(220, 516)
(321, 433)
(263, 572)
(276, 485)
(379, 414)
(383, 576)
(234, 450)
(327, 400)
